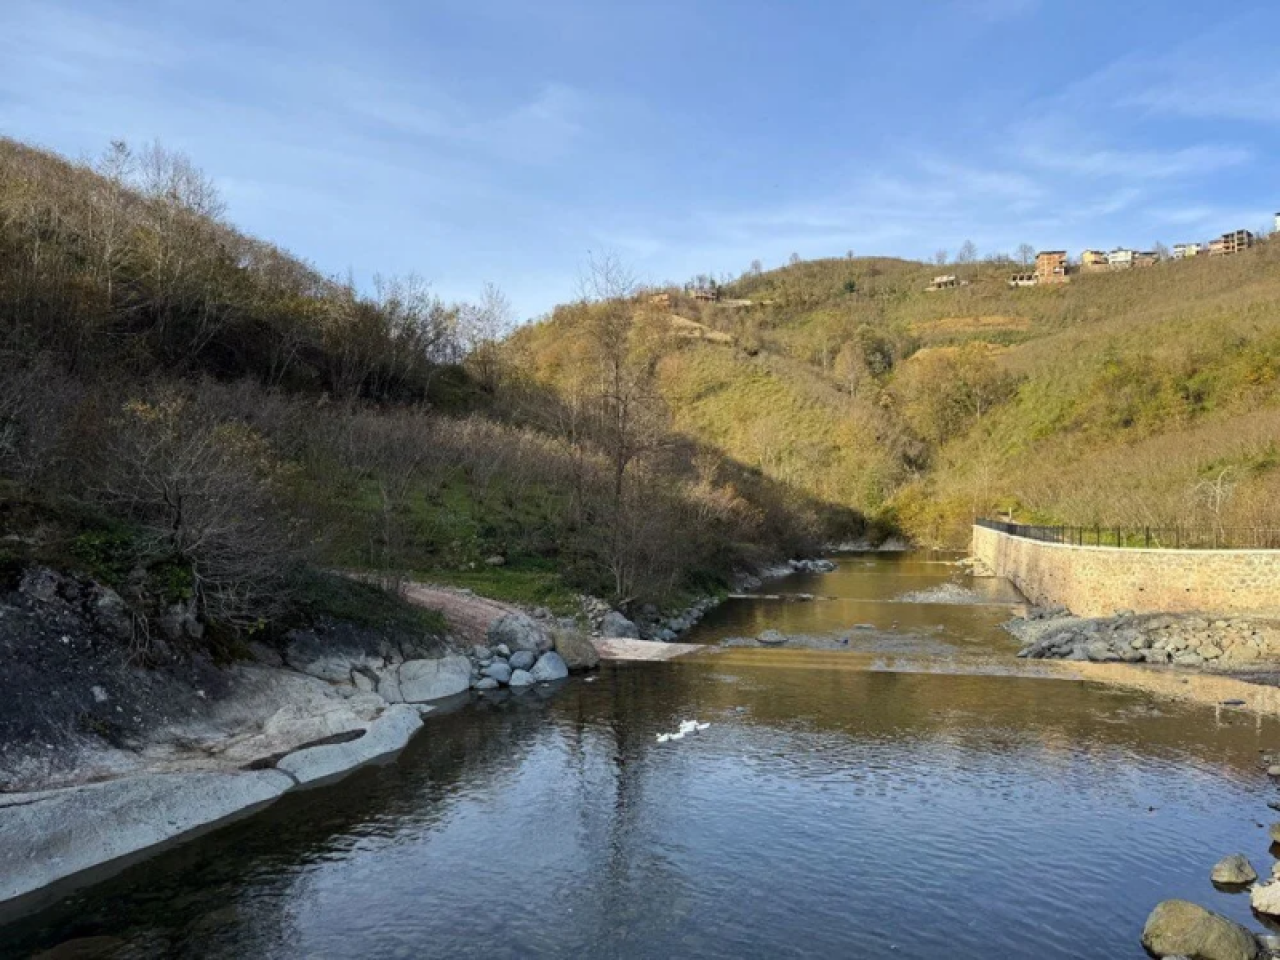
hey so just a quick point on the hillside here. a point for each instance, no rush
(211, 426)
(1140, 397)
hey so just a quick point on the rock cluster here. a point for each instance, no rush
(519, 654)
(1179, 928)
(1180, 640)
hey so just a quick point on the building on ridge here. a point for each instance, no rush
(1120, 258)
(1051, 267)
(1229, 243)
(1181, 251)
(1091, 261)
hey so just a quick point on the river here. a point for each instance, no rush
(829, 810)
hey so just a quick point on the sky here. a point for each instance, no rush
(507, 140)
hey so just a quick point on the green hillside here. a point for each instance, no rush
(1139, 397)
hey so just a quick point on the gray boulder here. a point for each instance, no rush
(1234, 871)
(57, 835)
(615, 624)
(772, 638)
(498, 671)
(422, 680)
(385, 737)
(1178, 928)
(522, 678)
(481, 653)
(112, 614)
(576, 649)
(550, 666)
(523, 660)
(519, 632)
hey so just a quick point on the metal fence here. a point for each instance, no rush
(1168, 538)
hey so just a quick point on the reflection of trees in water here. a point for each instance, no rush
(237, 893)
(233, 892)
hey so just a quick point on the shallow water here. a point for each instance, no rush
(827, 811)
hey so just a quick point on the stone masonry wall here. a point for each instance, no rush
(1101, 581)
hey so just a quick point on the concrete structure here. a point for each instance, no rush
(1023, 280)
(1099, 581)
(1146, 258)
(1051, 266)
(1229, 243)
(1091, 261)
(947, 281)
(1121, 259)
(1181, 251)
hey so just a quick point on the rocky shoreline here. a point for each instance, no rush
(1182, 640)
(106, 760)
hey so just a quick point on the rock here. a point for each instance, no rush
(523, 660)
(1274, 831)
(517, 631)
(550, 666)
(1180, 928)
(99, 694)
(496, 561)
(422, 680)
(486, 683)
(40, 583)
(1233, 871)
(1100, 652)
(576, 649)
(385, 737)
(667, 635)
(1273, 771)
(299, 723)
(1210, 652)
(1265, 898)
(522, 678)
(481, 653)
(112, 614)
(498, 671)
(60, 834)
(771, 638)
(615, 624)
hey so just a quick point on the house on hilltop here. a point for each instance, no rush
(1023, 280)
(1181, 251)
(1146, 258)
(1051, 266)
(1121, 258)
(1229, 243)
(947, 281)
(1091, 261)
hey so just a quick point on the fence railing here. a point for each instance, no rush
(1167, 538)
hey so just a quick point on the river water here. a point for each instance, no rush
(829, 810)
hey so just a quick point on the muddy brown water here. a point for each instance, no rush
(829, 810)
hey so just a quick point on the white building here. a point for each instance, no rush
(1120, 258)
(1183, 250)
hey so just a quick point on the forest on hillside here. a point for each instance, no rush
(196, 416)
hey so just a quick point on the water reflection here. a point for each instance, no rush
(932, 605)
(826, 811)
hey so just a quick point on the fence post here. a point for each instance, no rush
(1147, 531)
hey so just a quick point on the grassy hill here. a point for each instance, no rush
(1143, 397)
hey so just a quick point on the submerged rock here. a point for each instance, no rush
(1178, 928)
(522, 678)
(772, 638)
(1234, 871)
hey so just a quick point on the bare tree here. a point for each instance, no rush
(940, 258)
(1026, 254)
(968, 252)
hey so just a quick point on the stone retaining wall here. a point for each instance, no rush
(1100, 581)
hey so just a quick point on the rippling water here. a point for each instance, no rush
(826, 812)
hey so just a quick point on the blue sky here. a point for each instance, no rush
(474, 140)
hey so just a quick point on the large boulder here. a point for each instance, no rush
(615, 624)
(518, 632)
(550, 666)
(577, 650)
(1234, 871)
(1265, 898)
(385, 737)
(423, 680)
(1178, 928)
